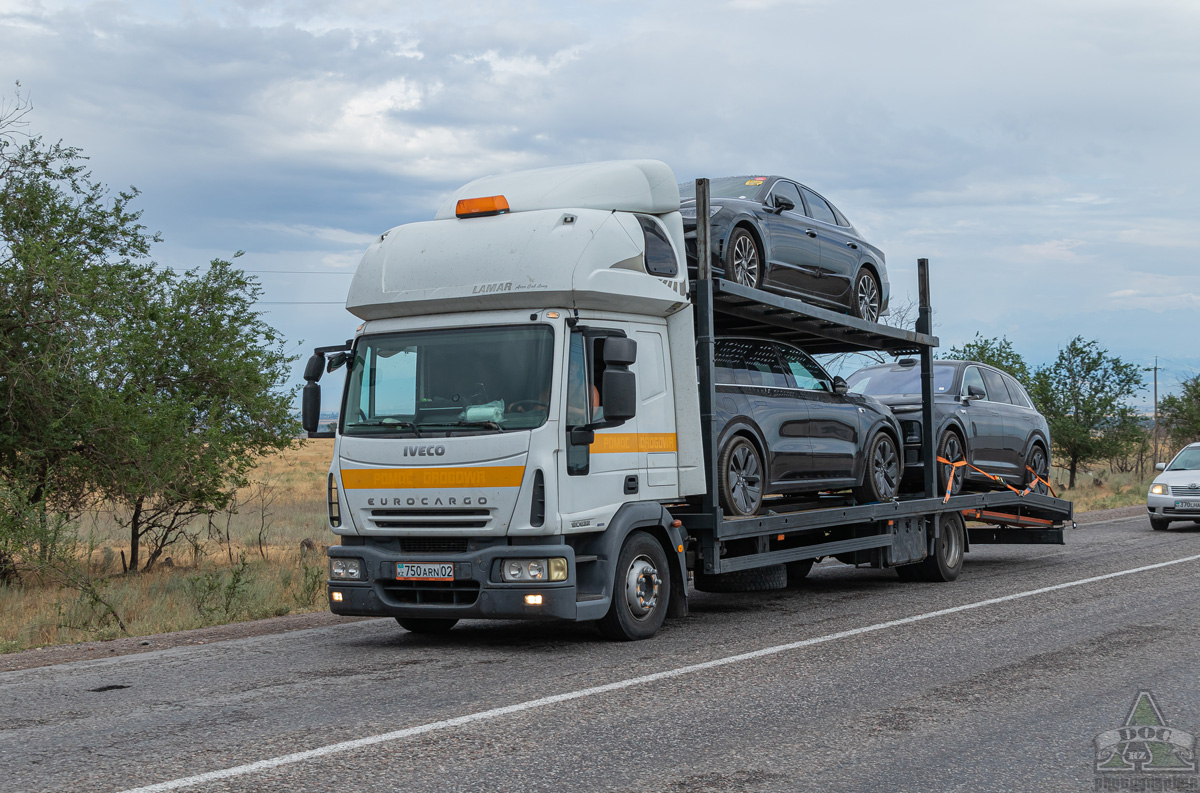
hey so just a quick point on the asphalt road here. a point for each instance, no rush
(1004, 696)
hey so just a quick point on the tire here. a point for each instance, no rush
(1159, 524)
(947, 560)
(881, 472)
(950, 447)
(867, 296)
(743, 261)
(797, 572)
(760, 579)
(1040, 463)
(425, 624)
(641, 590)
(740, 478)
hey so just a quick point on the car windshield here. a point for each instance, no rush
(907, 380)
(459, 380)
(1186, 460)
(746, 187)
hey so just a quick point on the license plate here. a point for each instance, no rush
(1189, 506)
(425, 571)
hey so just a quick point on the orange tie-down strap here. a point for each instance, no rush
(1028, 488)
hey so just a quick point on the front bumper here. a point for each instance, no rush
(476, 592)
(1164, 507)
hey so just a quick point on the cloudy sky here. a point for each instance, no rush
(1043, 155)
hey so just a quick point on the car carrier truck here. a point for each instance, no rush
(527, 419)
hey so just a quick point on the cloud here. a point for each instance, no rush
(1052, 250)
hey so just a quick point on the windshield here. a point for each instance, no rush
(450, 381)
(1186, 460)
(726, 187)
(881, 382)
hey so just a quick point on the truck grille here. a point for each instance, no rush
(1185, 490)
(437, 593)
(431, 518)
(433, 544)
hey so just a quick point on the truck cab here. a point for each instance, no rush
(519, 400)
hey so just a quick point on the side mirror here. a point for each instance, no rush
(310, 411)
(975, 392)
(337, 361)
(618, 388)
(1160, 466)
(784, 204)
(840, 386)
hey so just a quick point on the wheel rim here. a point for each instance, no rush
(885, 468)
(952, 548)
(868, 298)
(641, 587)
(952, 451)
(745, 261)
(745, 479)
(1037, 461)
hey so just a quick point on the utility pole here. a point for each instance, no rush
(1155, 410)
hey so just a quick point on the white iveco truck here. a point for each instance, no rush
(526, 428)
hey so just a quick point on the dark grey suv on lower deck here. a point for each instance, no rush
(788, 427)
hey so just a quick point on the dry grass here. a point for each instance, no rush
(1101, 489)
(207, 581)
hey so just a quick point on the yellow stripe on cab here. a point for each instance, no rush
(418, 478)
(633, 442)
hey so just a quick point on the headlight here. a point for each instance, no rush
(1159, 489)
(689, 213)
(345, 568)
(534, 569)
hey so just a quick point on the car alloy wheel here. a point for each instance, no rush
(950, 448)
(866, 295)
(741, 475)
(885, 467)
(744, 259)
(1041, 467)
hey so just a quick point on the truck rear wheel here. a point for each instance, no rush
(947, 560)
(797, 572)
(641, 590)
(759, 579)
(425, 624)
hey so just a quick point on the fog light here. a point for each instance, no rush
(533, 600)
(335, 596)
(558, 569)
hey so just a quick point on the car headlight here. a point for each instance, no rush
(534, 569)
(1159, 489)
(345, 568)
(689, 213)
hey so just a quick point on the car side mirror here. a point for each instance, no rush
(975, 392)
(784, 204)
(1160, 466)
(840, 386)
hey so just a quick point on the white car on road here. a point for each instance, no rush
(1175, 492)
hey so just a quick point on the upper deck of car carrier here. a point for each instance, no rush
(882, 534)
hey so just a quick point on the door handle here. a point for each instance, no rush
(810, 232)
(853, 245)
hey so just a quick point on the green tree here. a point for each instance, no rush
(1084, 396)
(200, 400)
(150, 389)
(997, 352)
(1179, 414)
(73, 273)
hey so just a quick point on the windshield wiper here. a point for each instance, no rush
(486, 424)
(389, 423)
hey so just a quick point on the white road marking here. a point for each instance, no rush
(486, 715)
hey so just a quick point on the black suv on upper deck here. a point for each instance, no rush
(788, 427)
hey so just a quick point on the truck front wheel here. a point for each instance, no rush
(641, 590)
(425, 625)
